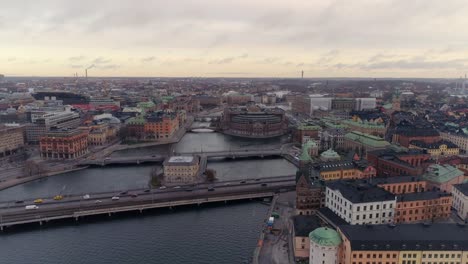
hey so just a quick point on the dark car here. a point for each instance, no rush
(257, 179)
(264, 184)
(188, 190)
(18, 202)
(243, 182)
(134, 195)
(124, 193)
(211, 189)
(147, 190)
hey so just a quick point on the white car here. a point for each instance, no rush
(98, 201)
(177, 187)
(86, 196)
(115, 198)
(162, 187)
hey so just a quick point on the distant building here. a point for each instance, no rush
(403, 135)
(399, 162)
(459, 139)
(43, 123)
(64, 144)
(309, 194)
(358, 203)
(11, 139)
(181, 169)
(460, 200)
(363, 143)
(401, 184)
(302, 225)
(342, 170)
(305, 131)
(331, 138)
(372, 128)
(436, 149)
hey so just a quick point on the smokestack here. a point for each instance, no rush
(86, 73)
(302, 74)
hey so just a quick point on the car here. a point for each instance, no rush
(97, 201)
(177, 187)
(107, 159)
(211, 189)
(58, 197)
(227, 183)
(124, 193)
(115, 198)
(257, 179)
(134, 195)
(147, 191)
(188, 189)
(162, 187)
(243, 182)
(38, 201)
(263, 184)
(154, 156)
(19, 201)
(86, 196)
(31, 207)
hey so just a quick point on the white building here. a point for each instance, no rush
(359, 203)
(324, 246)
(365, 103)
(460, 200)
(459, 139)
(318, 102)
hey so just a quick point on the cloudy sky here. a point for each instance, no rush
(251, 38)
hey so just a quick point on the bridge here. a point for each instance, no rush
(76, 207)
(160, 158)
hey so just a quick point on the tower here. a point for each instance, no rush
(302, 74)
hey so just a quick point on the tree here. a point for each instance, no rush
(32, 167)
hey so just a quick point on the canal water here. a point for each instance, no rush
(214, 234)
(211, 234)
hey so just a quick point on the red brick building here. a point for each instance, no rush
(389, 162)
(422, 207)
(405, 134)
(64, 144)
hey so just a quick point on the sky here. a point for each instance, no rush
(242, 38)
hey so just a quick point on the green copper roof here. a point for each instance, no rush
(367, 139)
(308, 127)
(364, 124)
(305, 156)
(144, 105)
(140, 120)
(441, 173)
(330, 154)
(388, 106)
(325, 236)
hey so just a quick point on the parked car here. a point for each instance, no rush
(115, 198)
(86, 196)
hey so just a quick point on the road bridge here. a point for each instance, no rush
(76, 207)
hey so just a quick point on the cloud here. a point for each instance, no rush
(268, 60)
(101, 60)
(148, 59)
(76, 58)
(107, 66)
(76, 66)
(420, 63)
(228, 60)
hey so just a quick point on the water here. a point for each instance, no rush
(221, 234)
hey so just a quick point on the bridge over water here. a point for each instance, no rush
(76, 207)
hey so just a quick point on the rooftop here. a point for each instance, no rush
(180, 159)
(419, 196)
(399, 179)
(463, 188)
(442, 173)
(367, 139)
(358, 192)
(304, 223)
(407, 237)
(325, 236)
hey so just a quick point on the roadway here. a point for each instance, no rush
(12, 212)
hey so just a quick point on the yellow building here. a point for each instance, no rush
(181, 169)
(437, 149)
(336, 170)
(101, 134)
(11, 139)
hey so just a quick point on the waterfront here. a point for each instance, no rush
(209, 234)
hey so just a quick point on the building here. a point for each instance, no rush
(329, 155)
(342, 170)
(11, 139)
(309, 194)
(254, 122)
(239, 99)
(101, 133)
(403, 135)
(324, 246)
(401, 184)
(363, 143)
(359, 203)
(64, 144)
(306, 131)
(208, 101)
(436, 149)
(460, 139)
(406, 243)
(443, 177)
(331, 138)
(161, 125)
(181, 169)
(42, 123)
(371, 128)
(460, 200)
(399, 162)
(422, 206)
(302, 225)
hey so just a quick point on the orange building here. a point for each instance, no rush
(401, 184)
(161, 125)
(64, 144)
(422, 206)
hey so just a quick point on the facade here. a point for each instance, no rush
(459, 139)
(401, 184)
(332, 138)
(443, 177)
(101, 134)
(398, 244)
(11, 139)
(436, 149)
(422, 206)
(41, 124)
(390, 162)
(342, 170)
(181, 169)
(305, 132)
(254, 122)
(371, 128)
(239, 99)
(64, 144)
(324, 246)
(161, 125)
(359, 203)
(405, 134)
(207, 100)
(460, 200)
(363, 143)
(309, 195)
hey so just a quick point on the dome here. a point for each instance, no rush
(329, 154)
(325, 236)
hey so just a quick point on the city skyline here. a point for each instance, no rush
(241, 39)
